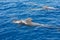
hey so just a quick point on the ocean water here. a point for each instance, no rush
(22, 9)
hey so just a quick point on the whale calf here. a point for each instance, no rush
(28, 22)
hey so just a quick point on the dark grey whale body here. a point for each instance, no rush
(28, 22)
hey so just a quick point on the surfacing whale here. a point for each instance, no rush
(49, 8)
(45, 8)
(28, 22)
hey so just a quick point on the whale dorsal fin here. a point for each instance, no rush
(28, 20)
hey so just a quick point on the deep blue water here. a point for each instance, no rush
(10, 11)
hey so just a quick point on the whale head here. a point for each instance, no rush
(17, 21)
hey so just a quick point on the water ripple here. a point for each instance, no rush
(10, 11)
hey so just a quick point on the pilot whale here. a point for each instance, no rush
(28, 22)
(49, 8)
(45, 8)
